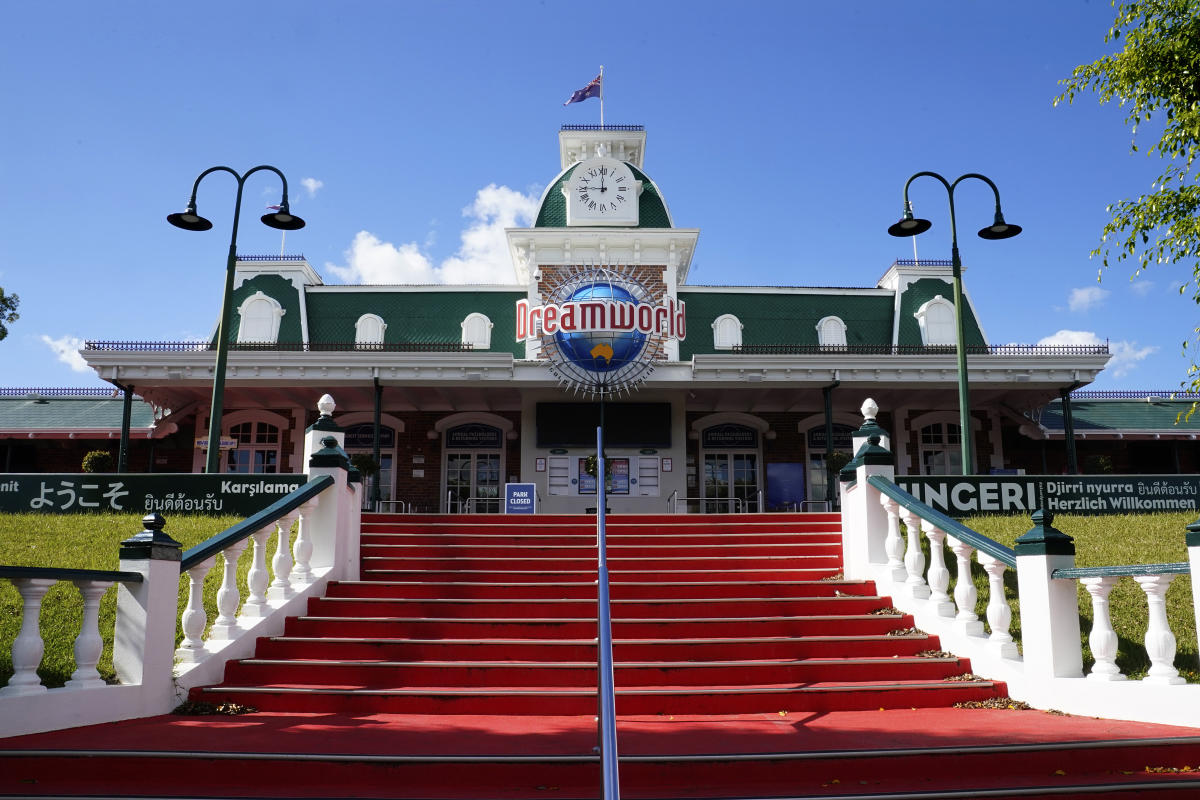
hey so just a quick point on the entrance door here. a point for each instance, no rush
(473, 482)
(730, 483)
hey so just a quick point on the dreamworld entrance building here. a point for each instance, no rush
(715, 398)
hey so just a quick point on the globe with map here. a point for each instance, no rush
(601, 351)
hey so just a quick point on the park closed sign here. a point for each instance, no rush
(1061, 494)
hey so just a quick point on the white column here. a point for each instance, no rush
(1102, 639)
(999, 615)
(89, 645)
(257, 578)
(894, 544)
(1160, 642)
(194, 617)
(914, 557)
(965, 594)
(281, 564)
(1049, 617)
(27, 648)
(302, 549)
(228, 597)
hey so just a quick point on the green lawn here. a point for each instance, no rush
(89, 541)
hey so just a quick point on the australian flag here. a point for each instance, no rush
(591, 90)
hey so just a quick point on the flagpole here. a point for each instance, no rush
(601, 97)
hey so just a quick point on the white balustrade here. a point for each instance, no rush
(281, 564)
(302, 550)
(1102, 639)
(999, 615)
(28, 647)
(966, 621)
(194, 617)
(89, 644)
(938, 575)
(1160, 642)
(258, 577)
(893, 545)
(228, 597)
(914, 557)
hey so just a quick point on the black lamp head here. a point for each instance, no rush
(999, 229)
(908, 226)
(282, 219)
(189, 220)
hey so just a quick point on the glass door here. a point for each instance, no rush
(473, 483)
(730, 483)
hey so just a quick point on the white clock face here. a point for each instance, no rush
(602, 191)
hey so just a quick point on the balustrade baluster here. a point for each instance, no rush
(302, 549)
(1102, 639)
(89, 645)
(914, 558)
(894, 544)
(1160, 642)
(281, 564)
(228, 596)
(939, 576)
(194, 616)
(28, 647)
(258, 577)
(965, 593)
(999, 615)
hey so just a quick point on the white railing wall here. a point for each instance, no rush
(1047, 672)
(154, 676)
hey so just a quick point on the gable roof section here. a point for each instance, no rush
(1124, 416)
(770, 317)
(413, 316)
(652, 210)
(918, 294)
(71, 413)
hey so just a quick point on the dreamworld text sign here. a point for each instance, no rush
(599, 315)
(1060, 494)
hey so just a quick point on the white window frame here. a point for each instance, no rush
(259, 309)
(477, 331)
(939, 334)
(727, 332)
(368, 331)
(831, 332)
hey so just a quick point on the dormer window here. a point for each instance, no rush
(936, 319)
(727, 332)
(477, 331)
(831, 332)
(368, 331)
(260, 316)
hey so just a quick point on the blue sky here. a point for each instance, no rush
(413, 133)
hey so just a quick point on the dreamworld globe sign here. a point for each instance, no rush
(600, 329)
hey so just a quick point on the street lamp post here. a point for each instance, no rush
(189, 220)
(999, 229)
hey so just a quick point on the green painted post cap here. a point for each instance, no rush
(1043, 539)
(152, 543)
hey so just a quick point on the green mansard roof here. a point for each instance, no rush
(652, 210)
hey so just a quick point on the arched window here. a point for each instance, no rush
(260, 317)
(257, 450)
(368, 331)
(727, 332)
(936, 319)
(831, 332)
(477, 331)
(941, 449)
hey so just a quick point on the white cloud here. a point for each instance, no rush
(482, 256)
(312, 185)
(1125, 355)
(1142, 287)
(66, 350)
(1086, 298)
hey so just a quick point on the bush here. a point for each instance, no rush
(98, 461)
(365, 464)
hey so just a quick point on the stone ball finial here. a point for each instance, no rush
(869, 409)
(326, 405)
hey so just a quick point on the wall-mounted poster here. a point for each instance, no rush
(587, 483)
(539, 465)
(667, 464)
(617, 480)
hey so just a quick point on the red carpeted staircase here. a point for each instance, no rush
(463, 665)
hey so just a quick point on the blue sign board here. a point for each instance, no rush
(520, 498)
